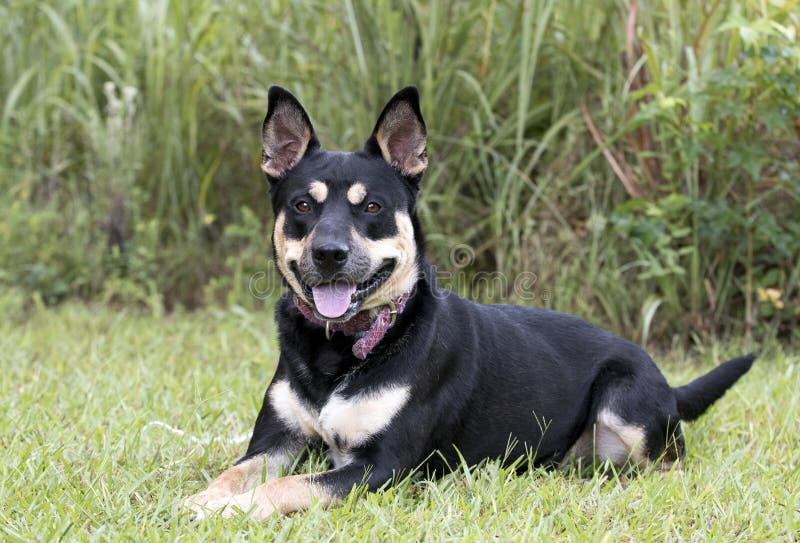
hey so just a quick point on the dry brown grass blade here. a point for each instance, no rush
(625, 176)
(642, 138)
(630, 29)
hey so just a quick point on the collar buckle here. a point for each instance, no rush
(392, 312)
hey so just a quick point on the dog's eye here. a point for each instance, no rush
(372, 207)
(302, 206)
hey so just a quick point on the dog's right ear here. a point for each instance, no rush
(286, 134)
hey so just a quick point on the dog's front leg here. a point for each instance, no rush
(238, 479)
(273, 448)
(298, 492)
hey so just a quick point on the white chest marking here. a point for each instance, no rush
(356, 419)
(292, 410)
(342, 423)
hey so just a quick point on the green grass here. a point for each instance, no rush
(85, 390)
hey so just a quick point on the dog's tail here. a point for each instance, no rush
(697, 396)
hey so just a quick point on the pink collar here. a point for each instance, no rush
(360, 322)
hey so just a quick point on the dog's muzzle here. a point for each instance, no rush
(339, 298)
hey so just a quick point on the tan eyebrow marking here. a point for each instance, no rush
(356, 193)
(318, 190)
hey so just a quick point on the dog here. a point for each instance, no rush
(391, 373)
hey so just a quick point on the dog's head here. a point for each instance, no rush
(344, 238)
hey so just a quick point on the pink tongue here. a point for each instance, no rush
(333, 299)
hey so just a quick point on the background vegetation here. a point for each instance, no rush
(641, 158)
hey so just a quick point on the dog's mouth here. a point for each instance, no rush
(339, 300)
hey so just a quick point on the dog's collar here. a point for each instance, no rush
(373, 328)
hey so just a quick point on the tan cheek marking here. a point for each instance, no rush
(403, 249)
(318, 191)
(286, 251)
(355, 420)
(356, 193)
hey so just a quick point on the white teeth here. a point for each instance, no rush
(374, 282)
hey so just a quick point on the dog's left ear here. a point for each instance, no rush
(400, 136)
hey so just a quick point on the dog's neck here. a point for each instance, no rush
(370, 326)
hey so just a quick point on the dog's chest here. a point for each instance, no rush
(343, 423)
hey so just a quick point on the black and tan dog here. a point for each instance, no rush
(391, 373)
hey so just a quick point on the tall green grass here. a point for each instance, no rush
(129, 147)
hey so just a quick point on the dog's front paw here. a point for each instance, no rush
(209, 502)
(206, 503)
(249, 505)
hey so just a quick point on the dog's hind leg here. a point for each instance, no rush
(609, 438)
(634, 423)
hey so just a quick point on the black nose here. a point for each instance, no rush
(330, 256)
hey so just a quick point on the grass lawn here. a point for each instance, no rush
(111, 417)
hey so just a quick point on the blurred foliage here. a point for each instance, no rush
(641, 158)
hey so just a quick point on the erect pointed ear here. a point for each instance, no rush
(286, 134)
(399, 134)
